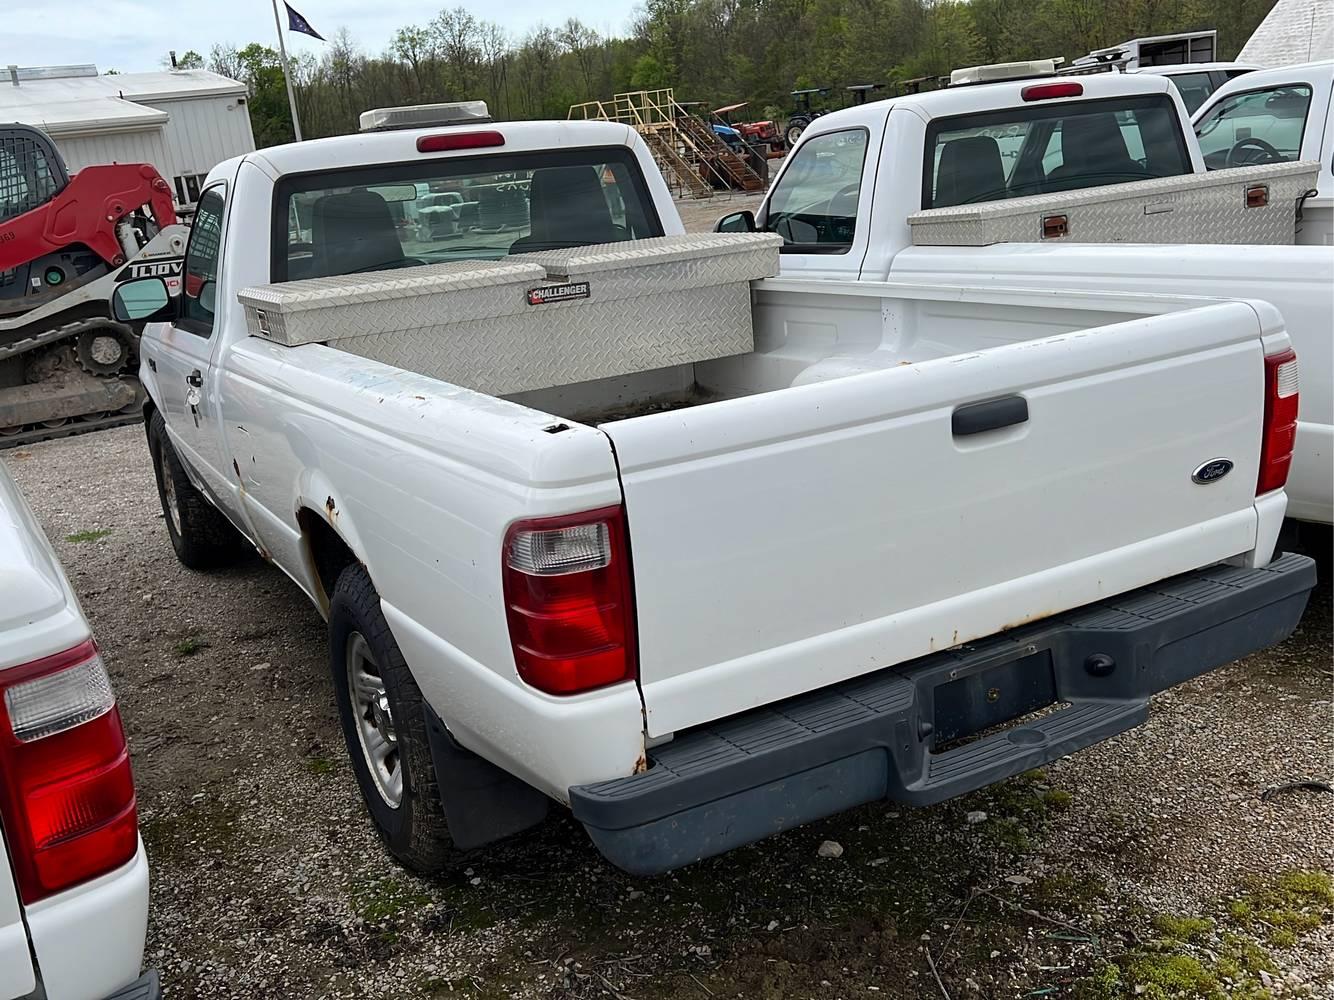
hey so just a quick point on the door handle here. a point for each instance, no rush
(989, 415)
(195, 378)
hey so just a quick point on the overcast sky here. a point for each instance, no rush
(131, 35)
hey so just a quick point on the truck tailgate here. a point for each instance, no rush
(790, 540)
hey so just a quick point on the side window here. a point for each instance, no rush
(814, 206)
(14, 199)
(1259, 126)
(1195, 88)
(201, 265)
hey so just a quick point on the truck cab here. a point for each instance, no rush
(842, 199)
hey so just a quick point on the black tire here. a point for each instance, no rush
(794, 130)
(414, 829)
(200, 535)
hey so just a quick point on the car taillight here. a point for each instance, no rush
(66, 793)
(1051, 91)
(1280, 429)
(568, 601)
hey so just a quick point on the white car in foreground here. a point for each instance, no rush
(74, 887)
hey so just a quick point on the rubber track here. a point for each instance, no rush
(77, 425)
(54, 336)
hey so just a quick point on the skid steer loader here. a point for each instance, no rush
(66, 365)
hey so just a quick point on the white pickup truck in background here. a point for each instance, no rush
(73, 876)
(712, 598)
(1275, 116)
(848, 212)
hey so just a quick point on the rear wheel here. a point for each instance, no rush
(200, 535)
(384, 725)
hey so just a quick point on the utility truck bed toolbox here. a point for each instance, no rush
(535, 320)
(1245, 205)
(926, 731)
(346, 307)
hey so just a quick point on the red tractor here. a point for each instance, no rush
(765, 135)
(65, 363)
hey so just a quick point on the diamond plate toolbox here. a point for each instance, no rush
(535, 320)
(1218, 207)
(332, 310)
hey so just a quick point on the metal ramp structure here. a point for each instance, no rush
(691, 156)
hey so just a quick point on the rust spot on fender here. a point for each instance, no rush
(331, 508)
(641, 765)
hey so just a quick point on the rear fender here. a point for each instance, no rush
(317, 494)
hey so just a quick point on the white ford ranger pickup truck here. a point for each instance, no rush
(1092, 169)
(73, 876)
(597, 517)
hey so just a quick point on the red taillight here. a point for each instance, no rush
(568, 601)
(1049, 91)
(66, 793)
(459, 140)
(1280, 430)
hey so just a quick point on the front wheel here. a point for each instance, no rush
(201, 536)
(384, 726)
(794, 130)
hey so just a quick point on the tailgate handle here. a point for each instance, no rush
(989, 415)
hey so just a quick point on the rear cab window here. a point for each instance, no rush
(486, 207)
(1015, 152)
(1256, 126)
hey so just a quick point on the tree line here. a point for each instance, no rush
(714, 51)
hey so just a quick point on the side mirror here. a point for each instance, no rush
(142, 300)
(737, 222)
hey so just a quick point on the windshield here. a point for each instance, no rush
(1259, 126)
(475, 208)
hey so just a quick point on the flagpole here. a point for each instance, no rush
(287, 72)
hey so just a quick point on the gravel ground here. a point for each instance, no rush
(1149, 866)
(699, 214)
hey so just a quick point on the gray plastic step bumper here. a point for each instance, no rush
(888, 735)
(146, 987)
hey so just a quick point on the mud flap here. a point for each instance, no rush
(482, 803)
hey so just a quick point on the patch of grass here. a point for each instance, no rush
(1192, 960)
(319, 765)
(387, 898)
(1242, 957)
(1159, 975)
(1186, 930)
(191, 645)
(1287, 907)
(88, 536)
(1057, 799)
(1019, 810)
(201, 829)
(1067, 892)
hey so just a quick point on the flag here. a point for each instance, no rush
(295, 22)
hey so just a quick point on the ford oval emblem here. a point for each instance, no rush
(1211, 471)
